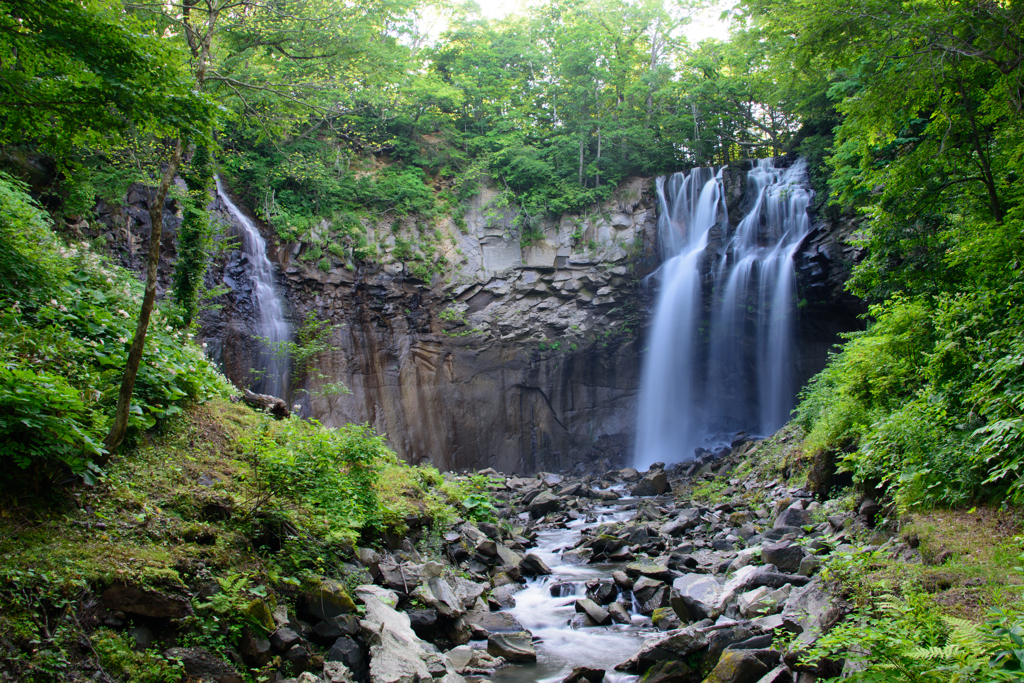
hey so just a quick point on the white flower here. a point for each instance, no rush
(169, 328)
(122, 340)
(204, 345)
(110, 280)
(53, 302)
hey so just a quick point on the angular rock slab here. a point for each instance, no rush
(514, 647)
(397, 655)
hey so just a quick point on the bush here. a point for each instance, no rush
(66, 322)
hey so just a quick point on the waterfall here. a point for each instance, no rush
(273, 328)
(720, 352)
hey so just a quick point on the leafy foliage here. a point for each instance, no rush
(64, 328)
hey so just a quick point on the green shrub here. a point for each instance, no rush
(66, 320)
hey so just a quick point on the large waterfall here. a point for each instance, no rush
(272, 367)
(720, 354)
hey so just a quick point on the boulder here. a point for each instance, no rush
(327, 631)
(584, 674)
(619, 614)
(544, 503)
(810, 611)
(200, 664)
(440, 596)
(396, 653)
(688, 519)
(598, 614)
(146, 602)
(283, 639)
(653, 570)
(401, 577)
(669, 671)
(654, 483)
(737, 666)
(325, 598)
(513, 647)
(337, 672)
(483, 624)
(792, 516)
(672, 645)
(254, 648)
(785, 555)
(533, 565)
(388, 597)
(348, 652)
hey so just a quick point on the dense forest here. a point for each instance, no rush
(327, 118)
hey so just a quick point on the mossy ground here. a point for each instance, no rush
(186, 511)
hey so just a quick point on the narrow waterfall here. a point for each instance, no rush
(720, 354)
(272, 367)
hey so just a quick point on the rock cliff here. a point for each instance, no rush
(522, 355)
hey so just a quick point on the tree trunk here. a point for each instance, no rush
(131, 370)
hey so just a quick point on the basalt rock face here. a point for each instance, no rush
(522, 358)
(527, 360)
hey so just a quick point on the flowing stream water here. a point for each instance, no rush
(272, 377)
(720, 353)
(547, 605)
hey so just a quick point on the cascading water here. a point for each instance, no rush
(561, 647)
(711, 371)
(273, 328)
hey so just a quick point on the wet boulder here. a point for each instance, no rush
(672, 645)
(584, 674)
(533, 565)
(513, 647)
(670, 671)
(654, 483)
(598, 614)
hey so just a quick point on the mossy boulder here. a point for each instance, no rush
(261, 615)
(325, 598)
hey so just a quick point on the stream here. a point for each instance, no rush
(562, 647)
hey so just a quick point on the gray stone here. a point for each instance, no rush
(619, 614)
(785, 555)
(545, 502)
(347, 651)
(513, 647)
(337, 672)
(671, 645)
(396, 653)
(533, 565)
(654, 483)
(599, 614)
(284, 638)
(483, 624)
(792, 517)
(584, 674)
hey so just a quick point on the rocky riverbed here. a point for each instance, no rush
(615, 577)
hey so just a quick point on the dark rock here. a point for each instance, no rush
(670, 671)
(514, 647)
(142, 636)
(776, 580)
(869, 510)
(584, 674)
(422, 621)
(619, 614)
(283, 639)
(255, 648)
(347, 651)
(327, 631)
(785, 555)
(200, 664)
(602, 592)
(532, 565)
(297, 658)
(654, 483)
(145, 602)
(737, 666)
